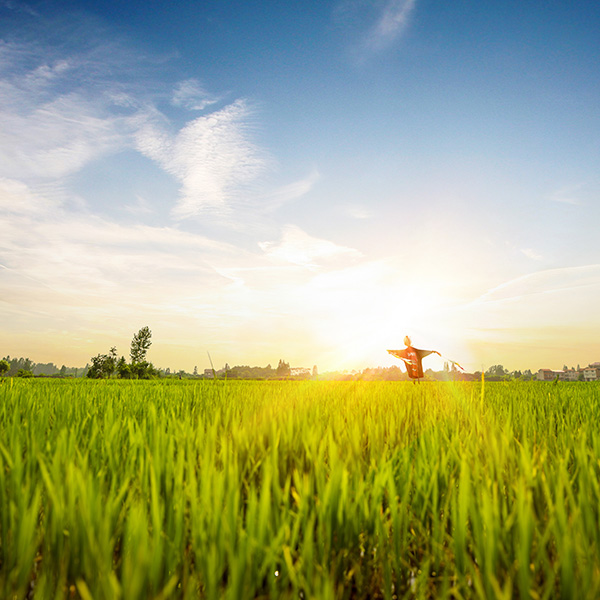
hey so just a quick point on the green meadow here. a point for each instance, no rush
(243, 489)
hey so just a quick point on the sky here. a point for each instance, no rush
(306, 181)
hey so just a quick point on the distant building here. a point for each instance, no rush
(589, 373)
(570, 375)
(548, 374)
(300, 372)
(592, 373)
(551, 375)
(209, 374)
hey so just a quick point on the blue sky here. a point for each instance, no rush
(308, 181)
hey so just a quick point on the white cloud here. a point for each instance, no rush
(57, 138)
(46, 73)
(212, 157)
(61, 113)
(19, 7)
(567, 199)
(17, 198)
(359, 212)
(191, 95)
(50, 126)
(291, 191)
(534, 319)
(544, 282)
(69, 271)
(140, 207)
(570, 194)
(86, 260)
(372, 26)
(532, 254)
(299, 248)
(66, 268)
(390, 25)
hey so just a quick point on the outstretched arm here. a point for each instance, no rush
(399, 353)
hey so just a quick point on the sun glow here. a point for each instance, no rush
(360, 312)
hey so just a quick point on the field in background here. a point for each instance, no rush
(116, 489)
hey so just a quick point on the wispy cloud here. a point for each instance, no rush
(212, 157)
(56, 138)
(66, 269)
(191, 95)
(570, 194)
(536, 318)
(19, 7)
(81, 256)
(61, 112)
(45, 74)
(140, 207)
(63, 107)
(299, 248)
(390, 25)
(291, 191)
(373, 25)
(543, 282)
(50, 125)
(359, 212)
(531, 253)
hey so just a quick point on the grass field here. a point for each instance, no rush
(182, 489)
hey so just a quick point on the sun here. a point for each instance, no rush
(357, 314)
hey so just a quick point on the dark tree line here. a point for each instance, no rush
(25, 367)
(283, 371)
(499, 373)
(108, 365)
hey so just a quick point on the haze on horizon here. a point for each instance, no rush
(307, 181)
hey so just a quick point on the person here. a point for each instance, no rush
(413, 358)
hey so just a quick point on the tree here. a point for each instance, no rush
(283, 369)
(4, 367)
(496, 371)
(140, 368)
(143, 370)
(140, 344)
(103, 365)
(123, 369)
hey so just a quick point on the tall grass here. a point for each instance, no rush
(116, 489)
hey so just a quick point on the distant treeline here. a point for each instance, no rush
(24, 367)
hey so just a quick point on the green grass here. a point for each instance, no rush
(180, 489)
